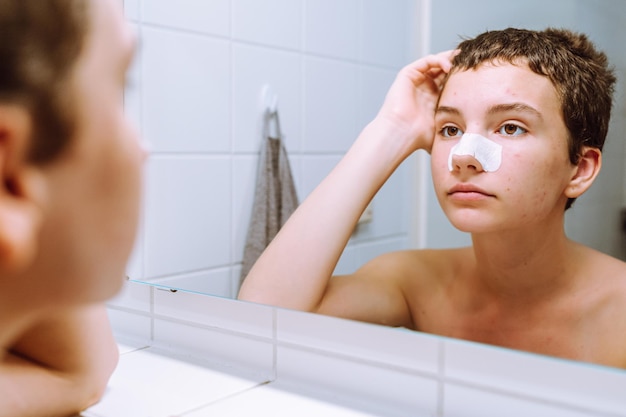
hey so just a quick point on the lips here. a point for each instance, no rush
(468, 190)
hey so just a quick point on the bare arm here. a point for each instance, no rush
(295, 270)
(60, 366)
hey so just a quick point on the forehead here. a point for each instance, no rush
(497, 83)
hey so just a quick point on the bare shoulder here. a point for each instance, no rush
(420, 274)
(604, 276)
(386, 289)
(607, 308)
(610, 272)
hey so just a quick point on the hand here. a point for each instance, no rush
(410, 103)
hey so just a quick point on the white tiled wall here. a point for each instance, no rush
(276, 362)
(195, 95)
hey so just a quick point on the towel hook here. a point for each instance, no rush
(269, 101)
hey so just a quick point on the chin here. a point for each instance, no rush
(471, 223)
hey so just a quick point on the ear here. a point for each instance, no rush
(585, 172)
(20, 191)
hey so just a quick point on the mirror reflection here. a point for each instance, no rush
(198, 98)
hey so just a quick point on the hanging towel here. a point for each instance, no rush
(275, 197)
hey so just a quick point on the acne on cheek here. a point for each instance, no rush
(509, 182)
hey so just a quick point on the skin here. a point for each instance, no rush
(67, 231)
(522, 284)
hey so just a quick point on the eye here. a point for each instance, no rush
(451, 131)
(510, 129)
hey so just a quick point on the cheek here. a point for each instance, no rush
(535, 182)
(439, 159)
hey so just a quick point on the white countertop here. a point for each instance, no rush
(150, 384)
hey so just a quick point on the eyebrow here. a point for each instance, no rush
(516, 107)
(496, 109)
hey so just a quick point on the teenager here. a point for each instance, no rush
(69, 200)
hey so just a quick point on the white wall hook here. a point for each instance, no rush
(269, 99)
(269, 105)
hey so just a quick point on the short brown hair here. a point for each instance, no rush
(40, 41)
(580, 73)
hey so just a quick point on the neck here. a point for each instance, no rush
(525, 265)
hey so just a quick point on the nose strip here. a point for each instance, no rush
(486, 151)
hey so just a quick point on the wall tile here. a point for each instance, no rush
(593, 17)
(211, 17)
(229, 315)
(331, 28)
(371, 250)
(130, 328)
(468, 402)
(362, 386)
(245, 171)
(390, 207)
(253, 68)
(330, 105)
(603, 234)
(481, 15)
(373, 84)
(348, 263)
(383, 24)
(239, 354)
(235, 279)
(188, 211)
(545, 379)
(269, 22)
(215, 282)
(186, 92)
(132, 9)
(410, 350)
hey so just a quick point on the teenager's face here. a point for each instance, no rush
(519, 110)
(95, 185)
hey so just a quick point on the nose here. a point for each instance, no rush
(466, 163)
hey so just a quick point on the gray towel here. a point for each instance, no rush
(275, 197)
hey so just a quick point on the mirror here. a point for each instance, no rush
(195, 95)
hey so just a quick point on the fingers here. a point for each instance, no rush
(432, 66)
(441, 60)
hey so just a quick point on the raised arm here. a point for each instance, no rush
(295, 269)
(60, 366)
